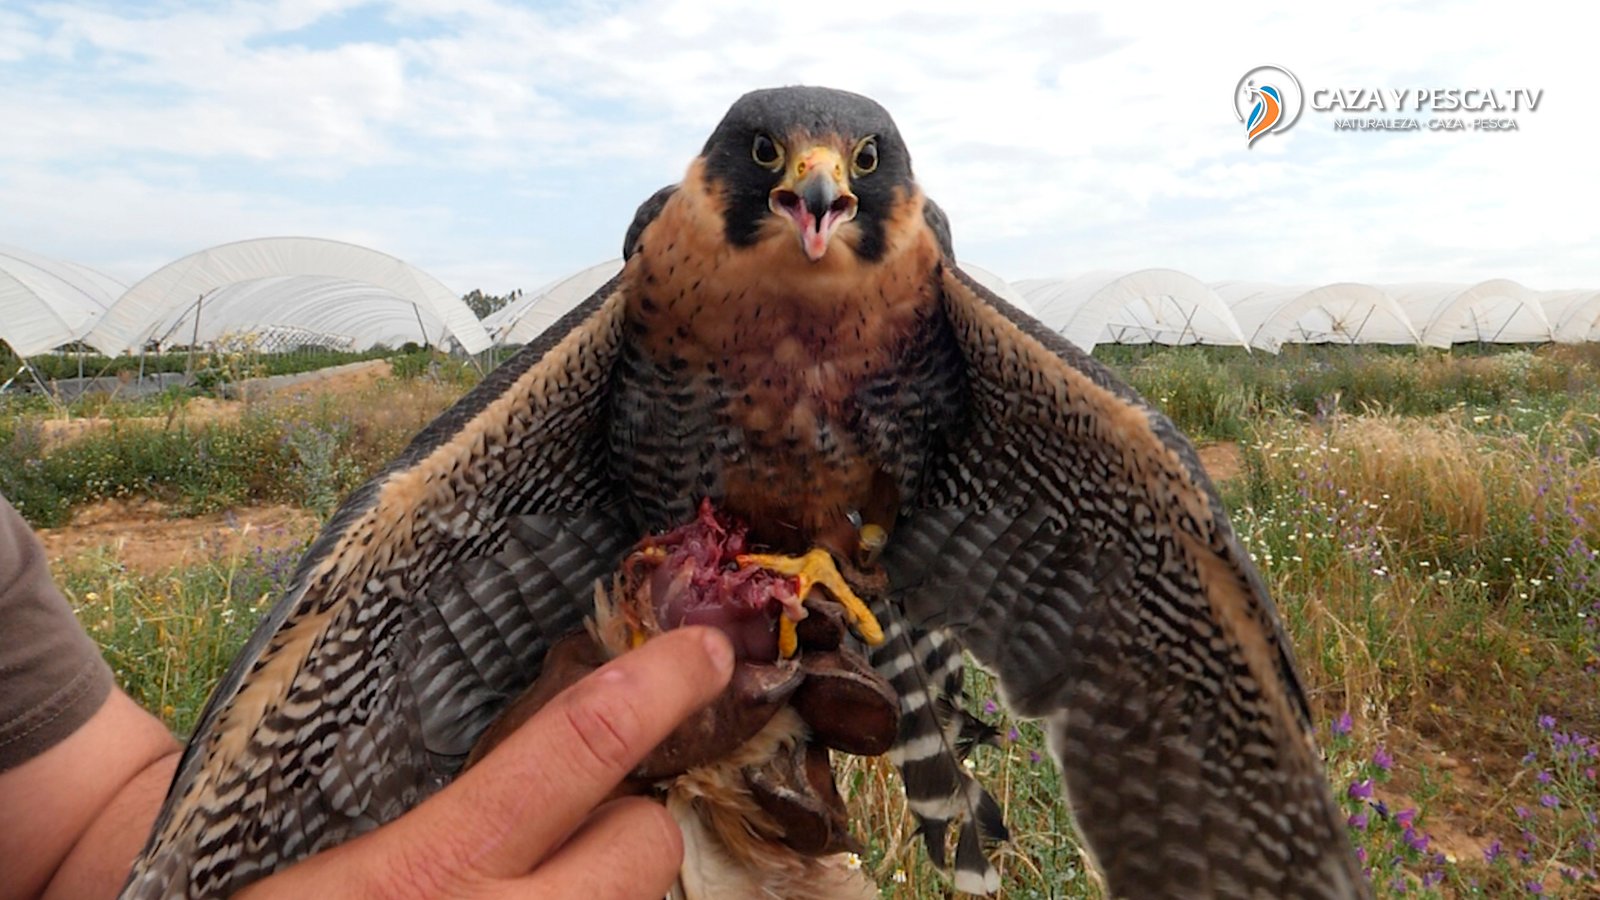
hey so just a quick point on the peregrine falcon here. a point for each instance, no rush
(792, 340)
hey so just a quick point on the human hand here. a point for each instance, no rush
(529, 819)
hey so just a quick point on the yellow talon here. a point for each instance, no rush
(817, 568)
(788, 638)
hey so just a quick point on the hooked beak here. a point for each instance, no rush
(815, 196)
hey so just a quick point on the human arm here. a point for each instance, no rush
(530, 820)
(73, 817)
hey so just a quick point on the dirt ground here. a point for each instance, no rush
(145, 538)
(1222, 461)
(350, 379)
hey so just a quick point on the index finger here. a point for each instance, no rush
(506, 813)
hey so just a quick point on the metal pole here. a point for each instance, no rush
(188, 367)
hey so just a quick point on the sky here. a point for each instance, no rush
(499, 145)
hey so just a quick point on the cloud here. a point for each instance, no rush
(507, 144)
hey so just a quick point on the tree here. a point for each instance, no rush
(483, 304)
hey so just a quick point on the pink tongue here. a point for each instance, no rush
(816, 244)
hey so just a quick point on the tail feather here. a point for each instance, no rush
(968, 730)
(936, 735)
(974, 874)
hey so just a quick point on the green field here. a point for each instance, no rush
(1429, 524)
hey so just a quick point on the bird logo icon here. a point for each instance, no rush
(1268, 110)
(1272, 96)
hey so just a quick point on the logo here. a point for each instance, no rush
(1267, 99)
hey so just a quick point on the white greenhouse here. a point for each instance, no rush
(286, 311)
(1497, 311)
(160, 299)
(276, 294)
(45, 303)
(1150, 306)
(1272, 315)
(1574, 316)
(526, 317)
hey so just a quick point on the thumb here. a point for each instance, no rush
(503, 816)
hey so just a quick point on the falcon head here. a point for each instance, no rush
(810, 171)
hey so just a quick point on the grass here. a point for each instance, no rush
(1436, 583)
(66, 365)
(1224, 393)
(1427, 522)
(291, 449)
(170, 637)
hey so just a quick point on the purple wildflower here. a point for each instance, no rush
(1343, 725)
(1549, 801)
(1360, 790)
(1547, 723)
(1493, 852)
(1358, 821)
(1404, 817)
(1382, 759)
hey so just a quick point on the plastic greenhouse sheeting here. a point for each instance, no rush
(1574, 316)
(281, 293)
(45, 302)
(303, 310)
(1272, 315)
(147, 306)
(1000, 287)
(1149, 306)
(526, 317)
(1497, 311)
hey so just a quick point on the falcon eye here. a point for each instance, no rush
(866, 157)
(766, 151)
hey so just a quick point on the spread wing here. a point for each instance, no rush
(1072, 543)
(426, 603)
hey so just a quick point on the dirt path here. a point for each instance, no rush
(339, 380)
(147, 539)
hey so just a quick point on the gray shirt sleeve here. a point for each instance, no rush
(52, 677)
